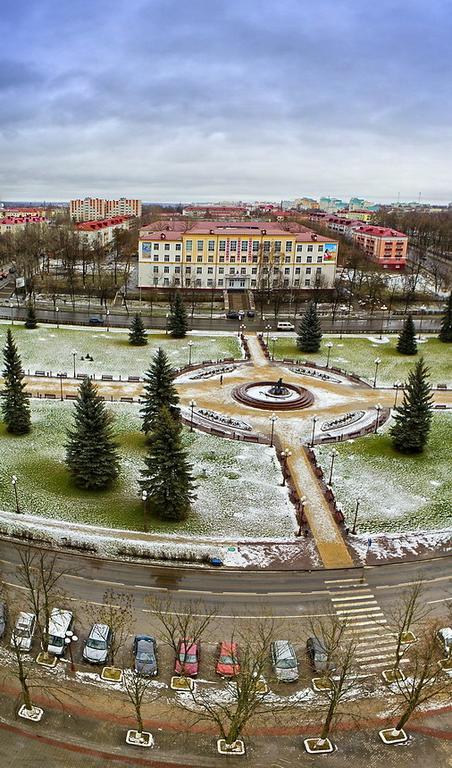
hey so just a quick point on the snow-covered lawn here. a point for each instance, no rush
(358, 355)
(50, 349)
(238, 491)
(396, 492)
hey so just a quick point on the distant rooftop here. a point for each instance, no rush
(174, 229)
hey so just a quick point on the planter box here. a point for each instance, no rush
(46, 660)
(320, 684)
(182, 683)
(393, 676)
(391, 736)
(111, 674)
(446, 665)
(137, 739)
(408, 638)
(261, 685)
(236, 748)
(34, 714)
(318, 746)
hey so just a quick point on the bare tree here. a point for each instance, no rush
(117, 612)
(330, 631)
(410, 611)
(137, 688)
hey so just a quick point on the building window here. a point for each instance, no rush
(200, 245)
(254, 259)
(267, 246)
(287, 260)
(309, 259)
(177, 257)
(166, 281)
(233, 245)
(187, 281)
(176, 281)
(243, 259)
(199, 258)
(166, 257)
(156, 281)
(243, 270)
(222, 246)
(278, 244)
(318, 270)
(210, 283)
(254, 271)
(189, 245)
(319, 259)
(289, 246)
(210, 259)
(310, 248)
(308, 270)
(199, 270)
(287, 271)
(220, 282)
(298, 259)
(297, 270)
(253, 283)
(221, 270)
(244, 245)
(307, 283)
(156, 246)
(188, 258)
(232, 259)
(166, 270)
(299, 248)
(156, 257)
(320, 247)
(211, 246)
(210, 270)
(256, 246)
(231, 270)
(221, 259)
(177, 270)
(167, 246)
(188, 270)
(296, 282)
(178, 246)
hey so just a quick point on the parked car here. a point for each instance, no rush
(98, 644)
(188, 658)
(145, 652)
(317, 654)
(228, 662)
(250, 313)
(285, 326)
(22, 634)
(284, 661)
(60, 623)
(232, 315)
(444, 637)
(3, 614)
(95, 321)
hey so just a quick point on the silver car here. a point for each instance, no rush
(284, 661)
(98, 644)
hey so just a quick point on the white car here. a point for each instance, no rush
(444, 637)
(97, 646)
(285, 327)
(22, 634)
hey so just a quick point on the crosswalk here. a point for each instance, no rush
(354, 601)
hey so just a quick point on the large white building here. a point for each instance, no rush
(96, 208)
(234, 255)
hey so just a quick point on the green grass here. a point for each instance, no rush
(50, 349)
(357, 355)
(237, 484)
(396, 492)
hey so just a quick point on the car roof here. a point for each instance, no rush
(445, 632)
(283, 646)
(144, 639)
(99, 631)
(226, 645)
(318, 645)
(59, 619)
(24, 619)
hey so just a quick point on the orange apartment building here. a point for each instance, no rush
(386, 246)
(97, 208)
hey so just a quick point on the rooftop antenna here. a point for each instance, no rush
(419, 200)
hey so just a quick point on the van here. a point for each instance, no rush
(60, 623)
(285, 327)
(22, 634)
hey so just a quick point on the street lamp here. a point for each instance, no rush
(377, 362)
(273, 418)
(274, 340)
(11, 306)
(108, 320)
(285, 455)
(74, 355)
(190, 344)
(144, 496)
(166, 325)
(57, 309)
(377, 422)
(60, 376)
(329, 346)
(314, 421)
(333, 455)
(69, 639)
(397, 386)
(192, 405)
(303, 501)
(268, 329)
(16, 495)
(356, 516)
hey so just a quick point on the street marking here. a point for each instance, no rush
(371, 658)
(410, 583)
(337, 581)
(354, 598)
(443, 600)
(355, 613)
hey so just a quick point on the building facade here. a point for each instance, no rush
(96, 208)
(234, 255)
(386, 246)
(101, 232)
(23, 213)
(10, 224)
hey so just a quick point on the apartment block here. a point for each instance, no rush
(10, 224)
(23, 213)
(234, 255)
(96, 208)
(102, 232)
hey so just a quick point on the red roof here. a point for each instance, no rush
(21, 220)
(368, 229)
(92, 226)
(173, 230)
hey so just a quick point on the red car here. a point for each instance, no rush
(188, 658)
(228, 662)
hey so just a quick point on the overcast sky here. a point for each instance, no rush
(173, 100)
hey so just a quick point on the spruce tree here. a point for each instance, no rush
(30, 316)
(137, 333)
(310, 332)
(15, 401)
(159, 391)
(413, 417)
(445, 333)
(406, 344)
(91, 454)
(177, 321)
(167, 476)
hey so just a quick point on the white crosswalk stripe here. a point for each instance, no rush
(354, 602)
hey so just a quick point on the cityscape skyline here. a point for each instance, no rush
(170, 101)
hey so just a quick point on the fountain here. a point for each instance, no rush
(270, 395)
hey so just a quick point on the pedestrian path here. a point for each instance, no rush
(354, 601)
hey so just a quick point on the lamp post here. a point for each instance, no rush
(397, 386)
(192, 405)
(285, 455)
(60, 376)
(144, 497)
(377, 362)
(273, 418)
(16, 495)
(268, 329)
(242, 328)
(74, 355)
(301, 513)
(356, 516)
(314, 421)
(377, 422)
(166, 324)
(329, 346)
(69, 639)
(108, 320)
(274, 340)
(190, 344)
(57, 309)
(333, 455)
(11, 306)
